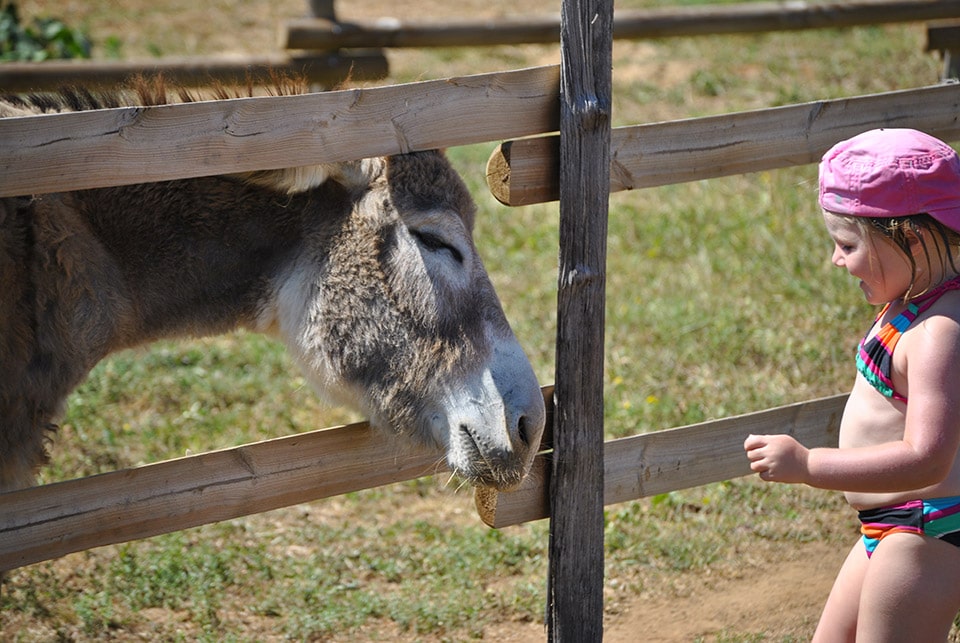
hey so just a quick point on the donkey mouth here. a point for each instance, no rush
(485, 466)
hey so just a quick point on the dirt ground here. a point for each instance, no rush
(773, 600)
(783, 596)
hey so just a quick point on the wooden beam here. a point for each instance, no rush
(945, 38)
(322, 69)
(525, 171)
(45, 522)
(53, 520)
(753, 17)
(326, 35)
(322, 8)
(71, 151)
(575, 587)
(653, 463)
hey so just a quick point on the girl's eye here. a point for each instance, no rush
(436, 244)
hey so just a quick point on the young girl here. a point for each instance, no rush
(891, 204)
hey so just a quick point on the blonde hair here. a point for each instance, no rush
(943, 246)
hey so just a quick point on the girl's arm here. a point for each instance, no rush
(931, 436)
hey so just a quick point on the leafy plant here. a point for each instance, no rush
(42, 39)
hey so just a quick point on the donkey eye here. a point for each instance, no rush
(434, 243)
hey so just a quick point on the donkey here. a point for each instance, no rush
(366, 271)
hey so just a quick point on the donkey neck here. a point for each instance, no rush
(198, 257)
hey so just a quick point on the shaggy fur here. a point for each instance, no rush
(365, 270)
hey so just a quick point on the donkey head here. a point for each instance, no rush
(392, 312)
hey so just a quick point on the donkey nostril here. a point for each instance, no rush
(522, 430)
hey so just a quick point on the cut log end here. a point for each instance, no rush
(529, 501)
(498, 173)
(485, 498)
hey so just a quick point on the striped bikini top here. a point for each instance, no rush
(875, 354)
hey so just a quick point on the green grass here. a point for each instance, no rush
(721, 300)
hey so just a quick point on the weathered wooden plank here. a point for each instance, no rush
(943, 36)
(663, 461)
(762, 17)
(323, 69)
(57, 152)
(524, 171)
(53, 520)
(307, 33)
(754, 17)
(575, 588)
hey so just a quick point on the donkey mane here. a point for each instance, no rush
(154, 91)
(143, 91)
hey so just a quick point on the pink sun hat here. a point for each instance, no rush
(892, 173)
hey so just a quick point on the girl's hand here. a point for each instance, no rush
(777, 458)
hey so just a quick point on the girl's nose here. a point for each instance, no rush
(837, 258)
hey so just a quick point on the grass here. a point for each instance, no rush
(721, 300)
(316, 590)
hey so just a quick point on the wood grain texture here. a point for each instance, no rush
(53, 520)
(45, 522)
(524, 171)
(59, 152)
(575, 587)
(663, 461)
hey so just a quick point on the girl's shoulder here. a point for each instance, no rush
(937, 328)
(945, 307)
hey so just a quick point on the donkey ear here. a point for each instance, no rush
(355, 175)
(289, 180)
(352, 175)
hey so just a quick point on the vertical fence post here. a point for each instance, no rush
(575, 589)
(322, 9)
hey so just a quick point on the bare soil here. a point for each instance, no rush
(780, 596)
(774, 598)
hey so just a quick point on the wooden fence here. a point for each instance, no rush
(649, 464)
(248, 479)
(79, 150)
(327, 51)
(667, 22)
(126, 145)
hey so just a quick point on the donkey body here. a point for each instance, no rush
(367, 272)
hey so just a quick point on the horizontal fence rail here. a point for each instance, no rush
(53, 520)
(754, 17)
(72, 151)
(653, 463)
(525, 171)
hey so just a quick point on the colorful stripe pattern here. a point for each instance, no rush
(875, 353)
(938, 518)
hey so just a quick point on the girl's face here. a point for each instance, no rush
(882, 268)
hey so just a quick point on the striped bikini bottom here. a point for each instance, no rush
(939, 518)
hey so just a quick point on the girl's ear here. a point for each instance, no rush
(917, 238)
(923, 244)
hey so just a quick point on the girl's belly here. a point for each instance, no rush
(860, 501)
